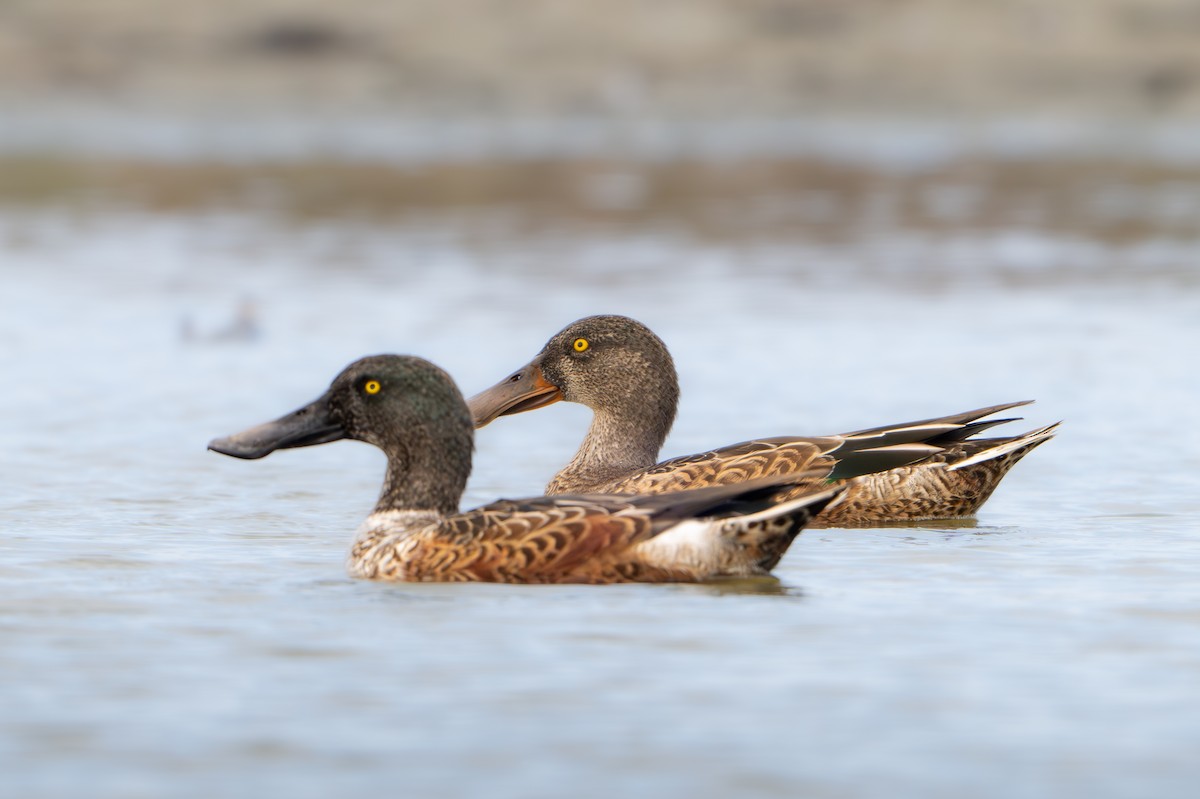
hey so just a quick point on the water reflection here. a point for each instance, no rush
(933, 524)
(764, 586)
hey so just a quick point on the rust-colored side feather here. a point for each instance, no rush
(672, 537)
(549, 541)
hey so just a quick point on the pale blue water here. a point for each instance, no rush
(175, 623)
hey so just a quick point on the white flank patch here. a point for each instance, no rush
(699, 541)
(690, 542)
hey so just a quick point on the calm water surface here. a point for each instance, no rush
(174, 623)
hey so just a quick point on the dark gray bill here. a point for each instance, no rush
(306, 427)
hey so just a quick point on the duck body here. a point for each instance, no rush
(946, 482)
(413, 412)
(928, 469)
(587, 539)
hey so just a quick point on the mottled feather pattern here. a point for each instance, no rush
(589, 539)
(776, 535)
(414, 413)
(739, 463)
(931, 489)
(557, 540)
(921, 491)
(625, 374)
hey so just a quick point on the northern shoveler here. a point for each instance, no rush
(929, 469)
(412, 410)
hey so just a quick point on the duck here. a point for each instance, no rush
(413, 411)
(925, 470)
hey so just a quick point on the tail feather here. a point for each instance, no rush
(738, 537)
(898, 434)
(894, 446)
(762, 538)
(879, 459)
(968, 430)
(1006, 446)
(718, 502)
(954, 420)
(809, 504)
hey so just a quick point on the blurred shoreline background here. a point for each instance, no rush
(597, 102)
(723, 120)
(636, 77)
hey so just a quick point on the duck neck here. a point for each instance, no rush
(426, 473)
(618, 443)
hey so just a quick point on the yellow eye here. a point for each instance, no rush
(372, 387)
(580, 344)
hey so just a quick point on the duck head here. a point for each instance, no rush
(611, 364)
(403, 405)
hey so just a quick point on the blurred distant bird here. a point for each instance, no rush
(243, 327)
